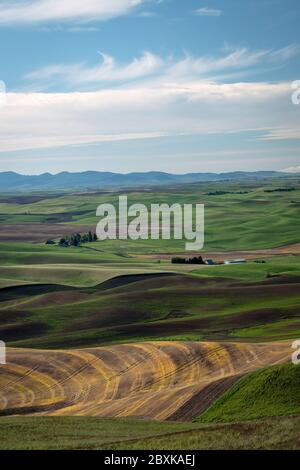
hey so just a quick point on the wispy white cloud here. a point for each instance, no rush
(292, 169)
(150, 97)
(205, 11)
(162, 69)
(237, 59)
(147, 14)
(37, 11)
(141, 112)
(58, 28)
(107, 71)
(83, 29)
(285, 53)
(46, 141)
(292, 132)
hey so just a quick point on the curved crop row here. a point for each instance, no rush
(159, 380)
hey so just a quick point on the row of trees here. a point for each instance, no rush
(77, 239)
(194, 260)
(279, 190)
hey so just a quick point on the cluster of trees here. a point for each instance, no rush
(194, 260)
(77, 239)
(279, 190)
(221, 193)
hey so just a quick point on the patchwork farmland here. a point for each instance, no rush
(112, 333)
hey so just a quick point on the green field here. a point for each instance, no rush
(269, 392)
(238, 214)
(288, 265)
(136, 308)
(256, 301)
(80, 433)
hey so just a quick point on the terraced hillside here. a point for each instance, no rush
(160, 380)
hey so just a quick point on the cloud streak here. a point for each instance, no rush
(107, 71)
(292, 169)
(39, 11)
(49, 120)
(205, 11)
(150, 98)
(164, 70)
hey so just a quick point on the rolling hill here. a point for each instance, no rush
(269, 392)
(149, 306)
(161, 380)
(121, 333)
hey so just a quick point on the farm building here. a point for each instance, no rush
(235, 261)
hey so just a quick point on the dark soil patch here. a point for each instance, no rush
(203, 399)
(30, 290)
(17, 331)
(127, 279)
(39, 232)
(209, 325)
(9, 316)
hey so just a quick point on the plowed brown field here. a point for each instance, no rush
(159, 380)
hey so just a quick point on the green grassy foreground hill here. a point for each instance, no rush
(274, 391)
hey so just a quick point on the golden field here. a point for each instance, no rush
(158, 380)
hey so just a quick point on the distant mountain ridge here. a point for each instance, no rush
(11, 181)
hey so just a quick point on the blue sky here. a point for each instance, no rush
(133, 85)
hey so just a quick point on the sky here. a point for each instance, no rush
(149, 85)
